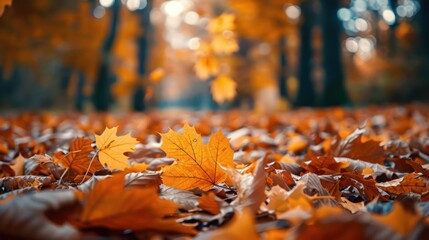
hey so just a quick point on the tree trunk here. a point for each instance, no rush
(143, 41)
(334, 92)
(306, 94)
(102, 97)
(392, 35)
(80, 96)
(424, 27)
(282, 68)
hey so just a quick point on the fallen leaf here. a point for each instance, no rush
(109, 204)
(78, 157)
(24, 217)
(409, 183)
(198, 165)
(185, 199)
(323, 165)
(399, 219)
(18, 166)
(250, 187)
(281, 200)
(209, 203)
(353, 207)
(367, 187)
(353, 147)
(111, 148)
(241, 227)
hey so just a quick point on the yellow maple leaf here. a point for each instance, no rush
(223, 44)
(225, 22)
(111, 148)
(198, 164)
(206, 66)
(223, 89)
(3, 4)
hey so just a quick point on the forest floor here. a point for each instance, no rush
(309, 173)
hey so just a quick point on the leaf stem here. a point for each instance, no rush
(63, 175)
(90, 163)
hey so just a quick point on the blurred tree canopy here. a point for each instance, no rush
(131, 54)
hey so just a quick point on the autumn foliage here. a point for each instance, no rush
(348, 174)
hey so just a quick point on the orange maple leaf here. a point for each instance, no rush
(111, 148)
(109, 204)
(223, 89)
(78, 158)
(198, 164)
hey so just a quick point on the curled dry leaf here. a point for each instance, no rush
(407, 184)
(184, 199)
(143, 179)
(251, 187)
(353, 147)
(111, 148)
(198, 164)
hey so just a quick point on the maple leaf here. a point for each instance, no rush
(224, 45)
(111, 148)
(109, 204)
(225, 22)
(223, 89)
(78, 158)
(3, 4)
(206, 66)
(197, 165)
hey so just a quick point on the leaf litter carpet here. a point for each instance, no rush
(322, 174)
